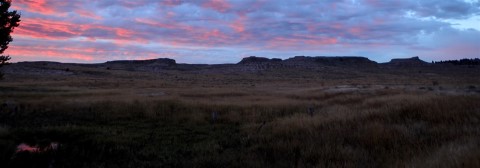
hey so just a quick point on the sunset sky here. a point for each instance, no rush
(224, 31)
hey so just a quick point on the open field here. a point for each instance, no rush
(215, 117)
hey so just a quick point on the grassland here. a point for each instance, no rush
(338, 118)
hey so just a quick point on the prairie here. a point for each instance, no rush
(334, 117)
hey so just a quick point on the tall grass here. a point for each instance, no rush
(381, 128)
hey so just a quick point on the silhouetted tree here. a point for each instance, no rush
(465, 61)
(8, 21)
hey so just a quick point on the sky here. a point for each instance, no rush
(225, 31)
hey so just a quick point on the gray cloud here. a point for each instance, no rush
(244, 26)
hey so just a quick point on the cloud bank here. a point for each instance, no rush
(224, 31)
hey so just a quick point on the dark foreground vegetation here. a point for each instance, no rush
(265, 116)
(473, 61)
(380, 129)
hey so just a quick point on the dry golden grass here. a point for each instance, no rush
(165, 119)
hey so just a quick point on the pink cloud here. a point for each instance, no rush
(190, 35)
(55, 53)
(37, 6)
(239, 24)
(46, 29)
(46, 7)
(171, 2)
(88, 14)
(83, 51)
(54, 8)
(158, 24)
(60, 30)
(300, 42)
(218, 5)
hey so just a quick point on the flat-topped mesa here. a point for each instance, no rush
(414, 61)
(338, 60)
(158, 61)
(152, 65)
(254, 63)
(256, 60)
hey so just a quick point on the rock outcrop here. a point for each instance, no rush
(305, 60)
(158, 61)
(256, 60)
(142, 65)
(254, 63)
(332, 61)
(414, 61)
(248, 64)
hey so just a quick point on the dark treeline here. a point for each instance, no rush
(465, 61)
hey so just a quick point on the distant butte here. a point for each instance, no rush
(346, 65)
(254, 59)
(414, 61)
